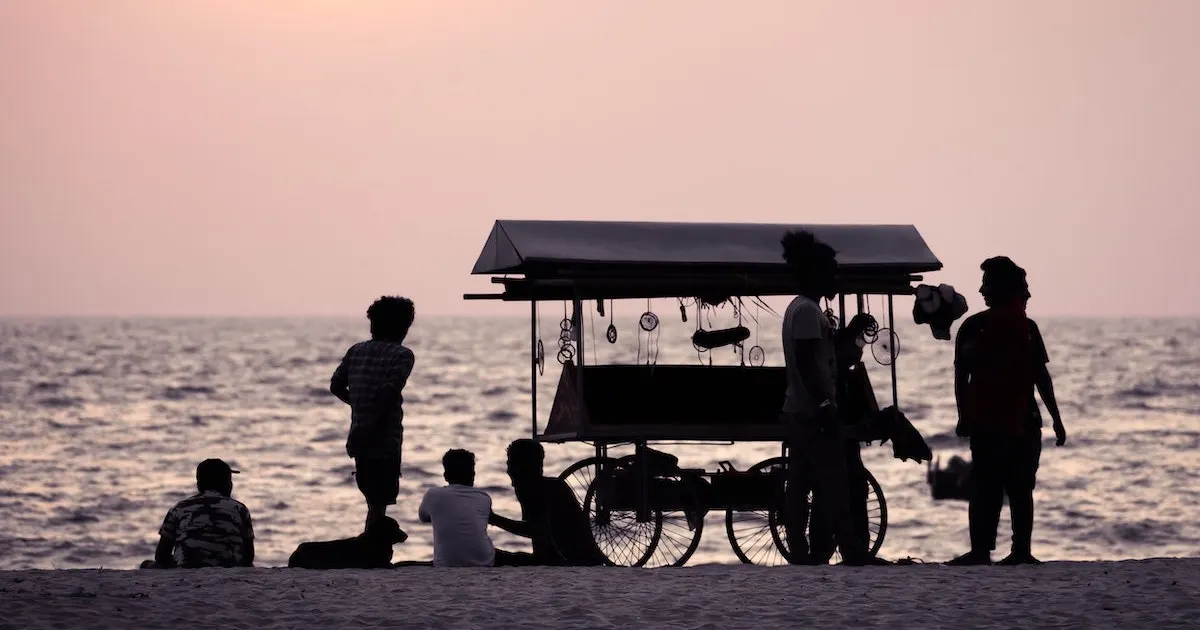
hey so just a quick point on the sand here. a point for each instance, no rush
(1132, 594)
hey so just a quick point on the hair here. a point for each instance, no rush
(1005, 278)
(391, 317)
(813, 262)
(459, 465)
(527, 454)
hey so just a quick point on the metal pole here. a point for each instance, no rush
(892, 331)
(577, 323)
(533, 368)
(860, 303)
(841, 311)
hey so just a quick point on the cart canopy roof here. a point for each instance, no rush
(662, 258)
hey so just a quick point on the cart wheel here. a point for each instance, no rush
(580, 475)
(618, 533)
(621, 538)
(753, 534)
(681, 529)
(758, 537)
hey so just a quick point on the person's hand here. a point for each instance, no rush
(960, 429)
(1060, 433)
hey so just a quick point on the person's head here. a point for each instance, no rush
(525, 458)
(391, 317)
(459, 467)
(1004, 283)
(385, 530)
(812, 262)
(216, 476)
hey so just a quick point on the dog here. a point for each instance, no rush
(369, 550)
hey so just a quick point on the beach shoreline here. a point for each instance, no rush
(1159, 593)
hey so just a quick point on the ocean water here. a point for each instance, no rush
(103, 420)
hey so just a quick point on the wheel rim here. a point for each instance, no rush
(621, 538)
(758, 536)
(751, 533)
(676, 541)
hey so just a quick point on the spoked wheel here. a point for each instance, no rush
(754, 535)
(759, 537)
(666, 540)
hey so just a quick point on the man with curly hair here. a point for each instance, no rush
(371, 379)
(816, 439)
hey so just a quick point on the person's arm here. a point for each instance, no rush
(389, 392)
(1045, 384)
(248, 553)
(962, 379)
(247, 538)
(423, 509)
(339, 385)
(164, 554)
(516, 528)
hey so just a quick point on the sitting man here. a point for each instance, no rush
(209, 529)
(552, 519)
(459, 513)
(369, 550)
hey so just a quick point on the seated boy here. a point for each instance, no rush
(209, 529)
(459, 514)
(369, 550)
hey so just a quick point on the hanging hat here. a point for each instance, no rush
(939, 307)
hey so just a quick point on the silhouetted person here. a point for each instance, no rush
(371, 549)
(209, 529)
(459, 513)
(999, 359)
(817, 450)
(371, 380)
(558, 528)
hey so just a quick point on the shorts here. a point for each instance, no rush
(1009, 462)
(378, 478)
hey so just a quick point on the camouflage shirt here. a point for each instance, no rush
(209, 530)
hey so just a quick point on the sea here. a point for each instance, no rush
(102, 422)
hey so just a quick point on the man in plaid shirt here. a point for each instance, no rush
(370, 379)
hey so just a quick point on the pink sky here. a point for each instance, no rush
(304, 157)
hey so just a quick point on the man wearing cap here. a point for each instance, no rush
(999, 360)
(209, 529)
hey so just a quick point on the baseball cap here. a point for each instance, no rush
(214, 468)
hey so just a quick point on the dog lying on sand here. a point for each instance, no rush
(369, 550)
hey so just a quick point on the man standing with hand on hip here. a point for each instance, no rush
(370, 379)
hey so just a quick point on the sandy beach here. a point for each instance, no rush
(1161, 593)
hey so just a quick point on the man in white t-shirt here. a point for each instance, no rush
(459, 512)
(816, 444)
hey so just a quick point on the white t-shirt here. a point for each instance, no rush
(460, 519)
(804, 319)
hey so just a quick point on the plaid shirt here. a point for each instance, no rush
(368, 366)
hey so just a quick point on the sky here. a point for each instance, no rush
(302, 157)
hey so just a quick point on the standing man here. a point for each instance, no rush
(371, 378)
(816, 442)
(999, 359)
